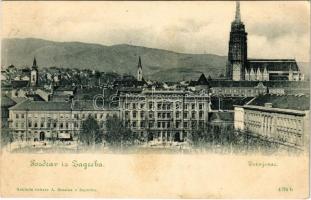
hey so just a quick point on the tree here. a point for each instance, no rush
(118, 135)
(90, 133)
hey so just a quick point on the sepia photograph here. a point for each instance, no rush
(155, 99)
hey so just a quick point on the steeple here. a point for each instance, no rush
(34, 64)
(139, 70)
(139, 62)
(237, 12)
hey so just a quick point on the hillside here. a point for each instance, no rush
(157, 64)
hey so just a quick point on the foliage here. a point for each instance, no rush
(118, 135)
(224, 136)
(90, 133)
(6, 137)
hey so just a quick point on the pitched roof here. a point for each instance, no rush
(202, 80)
(7, 101)
(273, 64)
(42, 106)
(294, 102)
(57, 106)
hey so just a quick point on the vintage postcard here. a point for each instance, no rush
(155, 99)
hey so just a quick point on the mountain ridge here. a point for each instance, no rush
(158, 64)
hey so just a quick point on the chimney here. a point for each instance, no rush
(268, 105)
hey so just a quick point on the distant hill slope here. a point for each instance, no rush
(157, 64)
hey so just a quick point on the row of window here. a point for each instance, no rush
(142, 124)
(76, 116)
(163, 106)
(165, 115)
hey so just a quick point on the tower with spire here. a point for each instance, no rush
(34, 73)
(139, 70)
(237, 55)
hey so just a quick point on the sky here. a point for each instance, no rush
(277, 29)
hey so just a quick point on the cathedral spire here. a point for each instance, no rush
(237, 12)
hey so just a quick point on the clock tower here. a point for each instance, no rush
(237, 55)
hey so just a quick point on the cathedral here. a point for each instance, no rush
(240, 68)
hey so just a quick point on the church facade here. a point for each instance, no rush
(240, 68)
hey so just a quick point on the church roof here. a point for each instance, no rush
(273, 64)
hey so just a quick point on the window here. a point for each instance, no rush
(186, 106)
(142, 124)
(67, 125)
(36, 125)
(55, 124)
(22, 116)
(134, 105)
(127, 114)
(177, 124)
(163, 115)
(193, 106)
(201, 114)
(17, 116)
(134, 114)
(200, 106)
(168, 125)
(159, 106)
(41, 124)
(16, 125)
(61, 125)
(142, 105)
(177, 114)
(150, 114)
(29, 124)
(151, 124)
(185, 114)
(127, 105)
(159, 124)
(163, 124)
(193, 114)
(159, 115)
(150, 106)
(22, 124)
(134, 124)
(168, 115)
(142, 114)
(185, 124)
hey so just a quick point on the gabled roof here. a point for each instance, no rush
(202, 80)
(273, 64)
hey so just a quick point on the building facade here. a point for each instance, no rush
(285, 126)
(39, 121)
(164, 115)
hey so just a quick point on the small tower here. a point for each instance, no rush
(34, 73)
(139, 71)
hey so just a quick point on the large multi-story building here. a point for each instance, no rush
(166, 115)
(39, 120)
(282, 119)
(239, 67)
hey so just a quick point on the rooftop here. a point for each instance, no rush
(294, 102)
